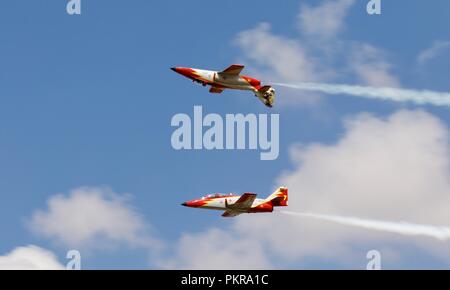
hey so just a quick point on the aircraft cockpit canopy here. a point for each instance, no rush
(217, 195)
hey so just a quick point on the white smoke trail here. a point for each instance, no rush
(438, 232)
(380, 93)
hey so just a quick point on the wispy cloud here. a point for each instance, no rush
(325, 20)
(92, 217)
(437, 48)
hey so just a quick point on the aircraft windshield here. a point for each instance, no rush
(216, 195)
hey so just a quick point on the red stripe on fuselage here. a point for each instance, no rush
(253, 82)
(265, 207)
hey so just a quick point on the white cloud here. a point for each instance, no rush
(370, 66)
(286, 58)
(278, 58)
(91, 216)
(325, 20)
(217, 249)
(30, 258)
(437, 48)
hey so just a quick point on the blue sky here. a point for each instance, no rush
(87, 101)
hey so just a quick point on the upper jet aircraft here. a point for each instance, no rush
(229, 78)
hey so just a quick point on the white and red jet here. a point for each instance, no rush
(234, 205)
(229, 78)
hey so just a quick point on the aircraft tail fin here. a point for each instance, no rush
(279, 197)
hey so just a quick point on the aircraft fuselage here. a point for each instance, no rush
(215, 79)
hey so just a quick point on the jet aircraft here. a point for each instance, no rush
(234, 205)
(229, 78)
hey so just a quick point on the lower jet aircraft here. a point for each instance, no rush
(229, 78)
(234, 205)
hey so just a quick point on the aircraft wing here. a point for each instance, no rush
(234, 69)
(244, 202)
(231, 213)
(215, 90)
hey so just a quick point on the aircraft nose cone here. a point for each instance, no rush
(174, 69)
(184, 204)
